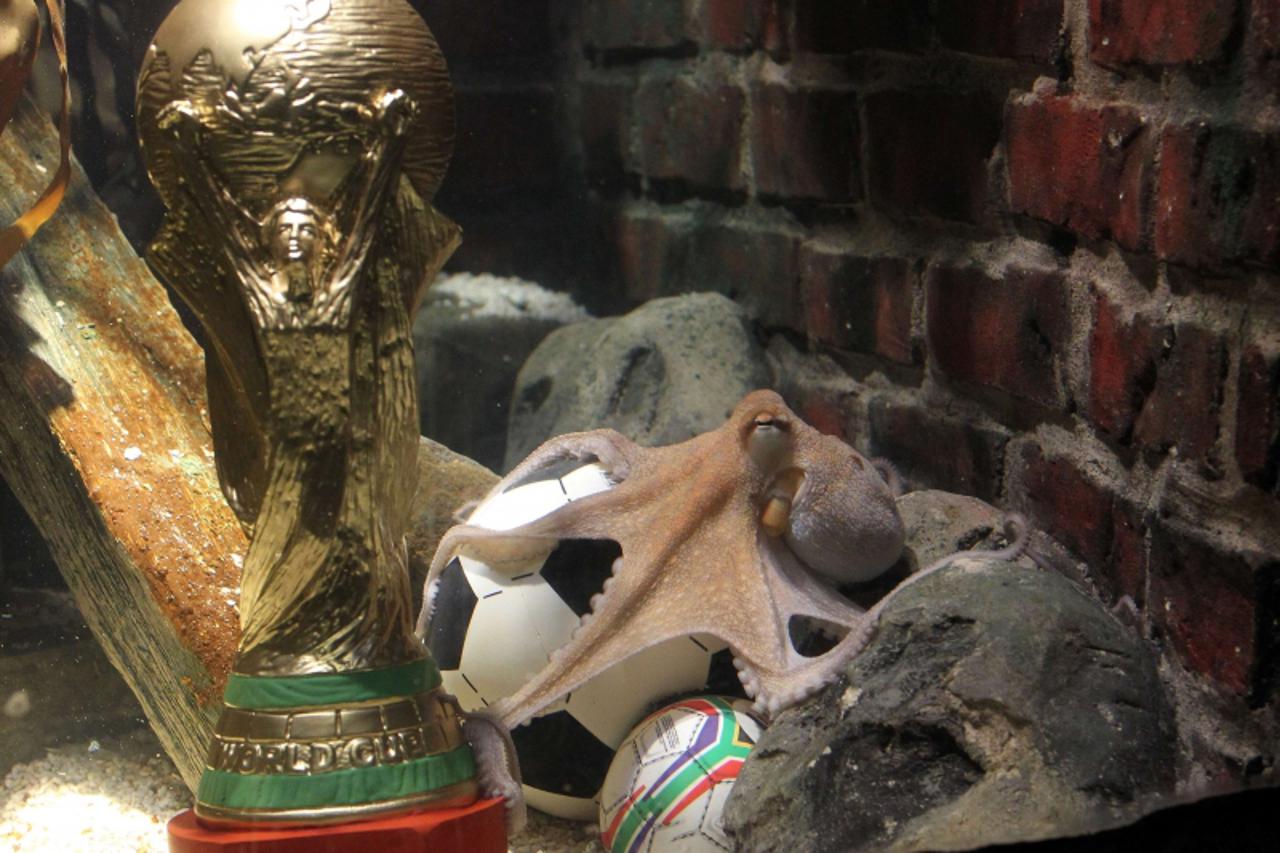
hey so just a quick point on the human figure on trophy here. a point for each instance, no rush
(298, 263)
(303, 268)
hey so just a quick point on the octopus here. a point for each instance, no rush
(734, 533)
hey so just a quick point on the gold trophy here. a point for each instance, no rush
(297, 145)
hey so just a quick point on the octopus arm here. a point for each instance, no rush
(497, 766)
(812, 675)
(611, 449)
(582, 519)
(626, 619)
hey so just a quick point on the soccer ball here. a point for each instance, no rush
(492, 631)
(668, 783)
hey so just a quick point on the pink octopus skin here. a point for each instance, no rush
(696, 557)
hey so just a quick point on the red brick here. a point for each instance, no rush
(755, 266)
(1217, 196)
(636, 24)
(1087, 516)
(664, 253)
(776, 29)
(691, 131)
(605, 110)
(1159, 32)
(804, 143)
(1258, 418)
(932, 451)
(1122, 367)
(1155, 385)
(1125, 572)
(929, 151)
(823, 410)
(506, 140)
(823, 26)
(858, 303)
(1264, 26)
(489, 31)
(652, 248)
(1080, 165)
(1030, 30)
(1069, 506)
(733, 24)
(1184, 405)
(1204, 601)
(1010, 333)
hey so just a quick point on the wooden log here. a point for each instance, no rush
(103, 440)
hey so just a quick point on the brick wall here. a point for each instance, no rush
(511, 183)
(1042, 236)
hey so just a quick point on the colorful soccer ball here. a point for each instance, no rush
(492, 631)
(668, 783)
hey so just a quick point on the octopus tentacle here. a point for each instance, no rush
(588, 517)
(816, 674)
(746, 676)
(611, 448)
(889, 472)
(613, 631)
(497, 766)
(500, 547)
(798, 592)
(626, 620)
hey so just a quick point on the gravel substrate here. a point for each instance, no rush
(117, 796)
(89, 797)
(546, 834)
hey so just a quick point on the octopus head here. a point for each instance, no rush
(831, 507)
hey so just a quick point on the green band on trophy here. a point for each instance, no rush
(300, 691)
(226, 790)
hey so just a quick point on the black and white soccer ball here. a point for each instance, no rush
(491, 631)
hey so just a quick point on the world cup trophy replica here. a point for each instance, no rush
(297, 145)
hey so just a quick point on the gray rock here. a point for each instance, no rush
(939, 524)
(996, 703)
(936, 524)
(471, 336)
(666, 372)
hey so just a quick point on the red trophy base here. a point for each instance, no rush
(477, 828)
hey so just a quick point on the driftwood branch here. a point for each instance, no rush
(103, 439)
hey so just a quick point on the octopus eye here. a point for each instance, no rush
(769, 440)
(771, 422)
